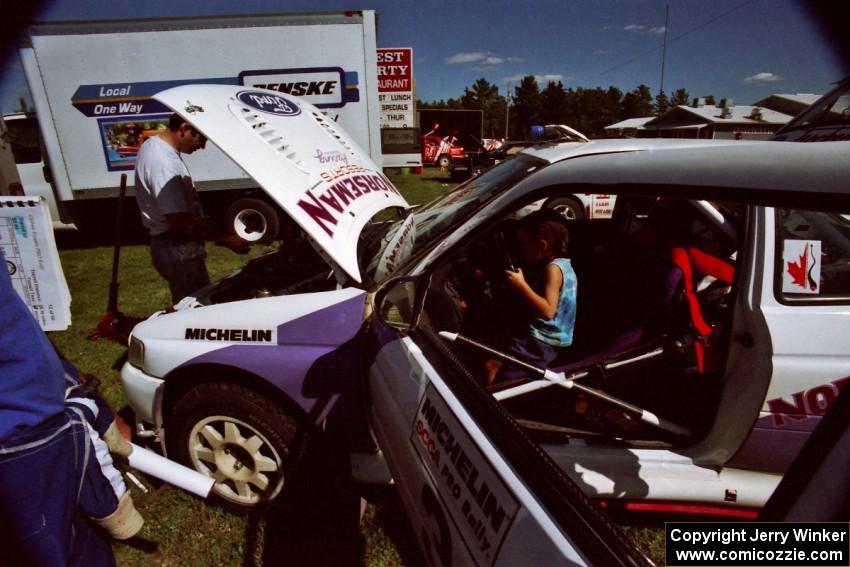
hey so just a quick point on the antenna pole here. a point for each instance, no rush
(664, 49)
(507, 108)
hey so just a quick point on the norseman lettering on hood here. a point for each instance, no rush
(313, 169)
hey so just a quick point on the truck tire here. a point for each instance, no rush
(444, 161)
(255, 221)
(569, 208)
(247, 443)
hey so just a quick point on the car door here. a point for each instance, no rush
(445, 441)
(804, 299)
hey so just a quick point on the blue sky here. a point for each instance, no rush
(739, 49)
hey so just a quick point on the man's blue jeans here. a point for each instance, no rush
(181, 262)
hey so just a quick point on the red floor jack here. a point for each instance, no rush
(114, 325)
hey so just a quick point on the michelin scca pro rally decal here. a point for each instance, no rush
(478, 502)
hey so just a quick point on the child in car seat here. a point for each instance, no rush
(547, 289)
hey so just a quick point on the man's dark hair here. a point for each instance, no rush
(175, 122)
(550, 226)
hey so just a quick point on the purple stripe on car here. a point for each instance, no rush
(301, 343)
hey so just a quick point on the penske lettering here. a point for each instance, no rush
(231, 335)
(302, 88)
(325, 208)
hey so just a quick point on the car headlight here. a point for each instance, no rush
(136, 353)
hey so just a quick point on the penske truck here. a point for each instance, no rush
(91, 85)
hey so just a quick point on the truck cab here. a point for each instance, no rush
(27, 149)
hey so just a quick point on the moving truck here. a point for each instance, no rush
(91, 84)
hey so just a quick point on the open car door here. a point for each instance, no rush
(469, 503)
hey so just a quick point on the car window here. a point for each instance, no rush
(631, 298)
(439, 216)
(23, 137)
(815, 256)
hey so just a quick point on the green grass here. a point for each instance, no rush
(317, 523)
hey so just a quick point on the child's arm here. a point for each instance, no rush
(546, 305)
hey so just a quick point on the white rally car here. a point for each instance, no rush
(712, 334)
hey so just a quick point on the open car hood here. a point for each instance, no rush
(304, 161)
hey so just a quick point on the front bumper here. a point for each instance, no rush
(144, 393)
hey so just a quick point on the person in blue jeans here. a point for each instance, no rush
(548, 291)
(60, 495)
(171, 210)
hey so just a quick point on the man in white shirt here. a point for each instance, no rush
(172, 212)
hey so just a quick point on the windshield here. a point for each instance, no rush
(385, 245)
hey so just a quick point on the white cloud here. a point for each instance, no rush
(763, 78)
(482, 57)
(644, 29)
(459, 58)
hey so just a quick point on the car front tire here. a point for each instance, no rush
(239, 438)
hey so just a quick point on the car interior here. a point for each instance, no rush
(654, 304)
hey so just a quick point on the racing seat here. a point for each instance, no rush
(693, 260)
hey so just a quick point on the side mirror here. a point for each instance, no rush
(398, 304)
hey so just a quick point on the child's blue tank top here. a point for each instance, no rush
(558, 331)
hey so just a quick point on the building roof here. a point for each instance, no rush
(800, 98)
(711, 114)
(788, 103)
(630, 123)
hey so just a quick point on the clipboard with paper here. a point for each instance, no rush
(32, 259)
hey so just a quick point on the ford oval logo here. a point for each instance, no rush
(272, 104)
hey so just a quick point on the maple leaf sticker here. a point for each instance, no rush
(802, 266)
(797, 270)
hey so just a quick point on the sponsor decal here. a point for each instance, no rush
(324, 87)
(806, 403)
(603, 206)
(479, 504)
(268, 103)
(230, 335)
(333, 157)
(802, 260)
(325, 208)
(398, 248)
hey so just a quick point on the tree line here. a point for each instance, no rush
(587, 110)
